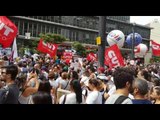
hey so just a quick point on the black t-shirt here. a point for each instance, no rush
(13, 94)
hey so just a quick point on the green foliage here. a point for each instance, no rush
(31, 45)
(52, 38)
(92, 50)
(155, 59)
(79, 48)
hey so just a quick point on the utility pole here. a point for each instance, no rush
(102, 45)
(133, 42)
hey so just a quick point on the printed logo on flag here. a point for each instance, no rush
(113, 57)
(8, 31)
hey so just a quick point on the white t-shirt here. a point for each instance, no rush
(24, 100)
(112, 99)
(53, 83)
(85, 91)
(64, 83)
(94, 97)
(85, 80)
(131, 96)
(70, 99)
(110, 84)
(102, 76)
(112, 90)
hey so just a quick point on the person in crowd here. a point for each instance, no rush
(63, 82)
(123, 78)
(51, 78)
(101, 74)
(140, 90)
(45, 86)
(41, 98)
(92, 73)
(75, 97)
(95, 97)
(145, 75)
(155, 95)
(156, 81)
(30, 87)
(74, 75)
(103, 81)
(84, 79)
(8, 75)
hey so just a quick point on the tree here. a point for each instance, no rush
(52, 38)
(31, 45)
(79, 48)
(155, 59)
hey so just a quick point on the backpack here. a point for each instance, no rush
(64, 100)
(3, 94)
(120, 99)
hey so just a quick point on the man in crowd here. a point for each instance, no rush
(10, 92)
(123, 78)
(141, 89)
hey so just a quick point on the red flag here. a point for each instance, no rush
(8, 32)
(41, 47)
(49, 48)
(113, 57)
(67, 55)
(155, 48)
(52, 49)
(91, 57)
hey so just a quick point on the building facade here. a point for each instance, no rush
(75, 28)
(155, 34)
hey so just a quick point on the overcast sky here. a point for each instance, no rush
(143, 19)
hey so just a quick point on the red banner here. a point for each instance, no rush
(8, 31)
(155, 48)
(67, 55)
(91, 57)
(49, 48)
(113, 57)
(40, 47)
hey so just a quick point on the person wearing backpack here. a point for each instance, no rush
(10, 92)
(123, 79)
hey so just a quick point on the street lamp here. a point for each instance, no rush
(133, 41)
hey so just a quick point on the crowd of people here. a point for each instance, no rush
(46, 80)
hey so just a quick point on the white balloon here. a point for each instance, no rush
(116, 37)
(141, 49)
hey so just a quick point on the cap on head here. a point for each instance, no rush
(101, 69)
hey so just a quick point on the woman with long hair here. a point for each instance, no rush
(75, 97)
(95, 97)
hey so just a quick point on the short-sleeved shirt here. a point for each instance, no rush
(71, 99)
(12, 97)
(112, 99)
(95, 97)
(137, 101)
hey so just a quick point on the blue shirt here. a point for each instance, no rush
(137, 101)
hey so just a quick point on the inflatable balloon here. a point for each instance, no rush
(138, 39)
(141, 49)
(116, 37)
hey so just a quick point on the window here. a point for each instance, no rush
(59, 31)
(43, 28)
(37, 30)
(26, 27)
(34, 31)
(47, 29)
(21, 27)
